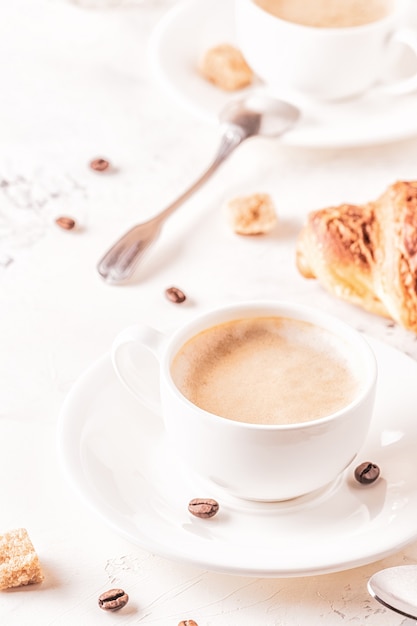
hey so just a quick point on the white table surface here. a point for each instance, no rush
(76, 85)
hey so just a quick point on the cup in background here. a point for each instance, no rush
(266, 462)
(322, 62)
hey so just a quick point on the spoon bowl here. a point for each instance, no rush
(254, 115)
(269, 116)
(396, 589)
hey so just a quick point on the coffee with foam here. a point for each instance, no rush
(267, 370)
(327, 13)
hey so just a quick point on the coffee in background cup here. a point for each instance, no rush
(328, 13)
(325, 49)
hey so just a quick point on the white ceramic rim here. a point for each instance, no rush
(263, 308)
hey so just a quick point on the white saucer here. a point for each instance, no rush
(193, 26)
(114, 454)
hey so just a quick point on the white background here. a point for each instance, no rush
(75, 84)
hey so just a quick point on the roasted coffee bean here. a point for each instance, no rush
(99, 165)
(367, 473)
(113, 600)
(203, 507)
(188, 622)
(67, 223)
(175, 295)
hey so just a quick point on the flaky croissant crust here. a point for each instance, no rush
(367, 254)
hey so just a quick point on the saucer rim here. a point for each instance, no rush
(71, 466)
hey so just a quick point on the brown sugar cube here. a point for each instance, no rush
(19, 563)
(252, 215)
(225, 66)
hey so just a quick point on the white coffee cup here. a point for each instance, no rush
(249, 460)
(319, 62)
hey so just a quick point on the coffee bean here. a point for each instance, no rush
(188, 622)
(175, 295)
(99, 165)
(367, 473)
(203, 507)
(113, 600)
(67, 223)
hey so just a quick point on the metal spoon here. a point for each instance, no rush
(396, 588)
(254, 115)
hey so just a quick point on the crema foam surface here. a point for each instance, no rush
(267, 370)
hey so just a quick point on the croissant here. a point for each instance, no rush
(367, 254)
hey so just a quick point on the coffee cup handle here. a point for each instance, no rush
(407, 37)
(136, 354)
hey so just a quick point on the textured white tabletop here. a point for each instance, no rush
(75, 84)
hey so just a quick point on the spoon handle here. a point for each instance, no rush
(119, 262)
